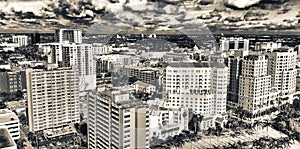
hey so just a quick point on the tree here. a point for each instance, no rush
(257, 124)
(20, 143)
(194, 122)
(83, 129)
(267, 124)
(23, 119)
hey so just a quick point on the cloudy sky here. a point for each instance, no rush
(213, 15)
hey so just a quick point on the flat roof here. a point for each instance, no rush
(7, 115)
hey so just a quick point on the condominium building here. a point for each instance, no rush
(10, 120)
(144, 74)
(53, 52)
(52, 95)
(254, 84)
(199, 86)
(282, 68)
(21, 40)
(235, 66)
(68, 35)
(117, 120)
(81, 55)
(234, 44)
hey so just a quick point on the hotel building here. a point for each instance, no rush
(199, 86)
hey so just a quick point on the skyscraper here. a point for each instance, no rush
(52, 97)
(254, 84)
(80, 55)
(117, 120)
(68, 35)
(234, 44)
(282, 68)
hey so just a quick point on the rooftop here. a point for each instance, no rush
(188, 64)
(7, 115)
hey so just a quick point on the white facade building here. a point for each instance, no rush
(228, 44)
(282, 68)
(117, 120)
(68, 35)
(21, 40)
(53, 97)
(144, 87)
(168, 122)
(199, 86)
(254, 84)
(10, 120)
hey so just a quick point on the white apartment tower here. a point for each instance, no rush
(254, 83)
(68, 35)
(117, 120)
(234, 44)
(53, 96)
(21, 40)
(199, 86)
(282, 68)
(80, 55)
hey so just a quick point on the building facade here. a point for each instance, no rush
(199, 86)
(52, 96)
(21, 40)
(10, 120)
(12, 81)
(228, 44)
(282, 68)
(254, 84)
(116, 120)
(68, 35)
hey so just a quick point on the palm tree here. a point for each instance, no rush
(194, 123)
(267, 123)
(256, 124)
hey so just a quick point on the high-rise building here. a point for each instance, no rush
(234, 44)
(254, 84)
(68, 35)
(80, 55)
(21, 40)
(10, 120)
(199, 86)
(53, 95)
(117, 120)
(282, 68)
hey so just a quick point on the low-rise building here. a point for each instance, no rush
(6, 141)
(144, 87)
(12, 81)
(10, 120)
(165, 122)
